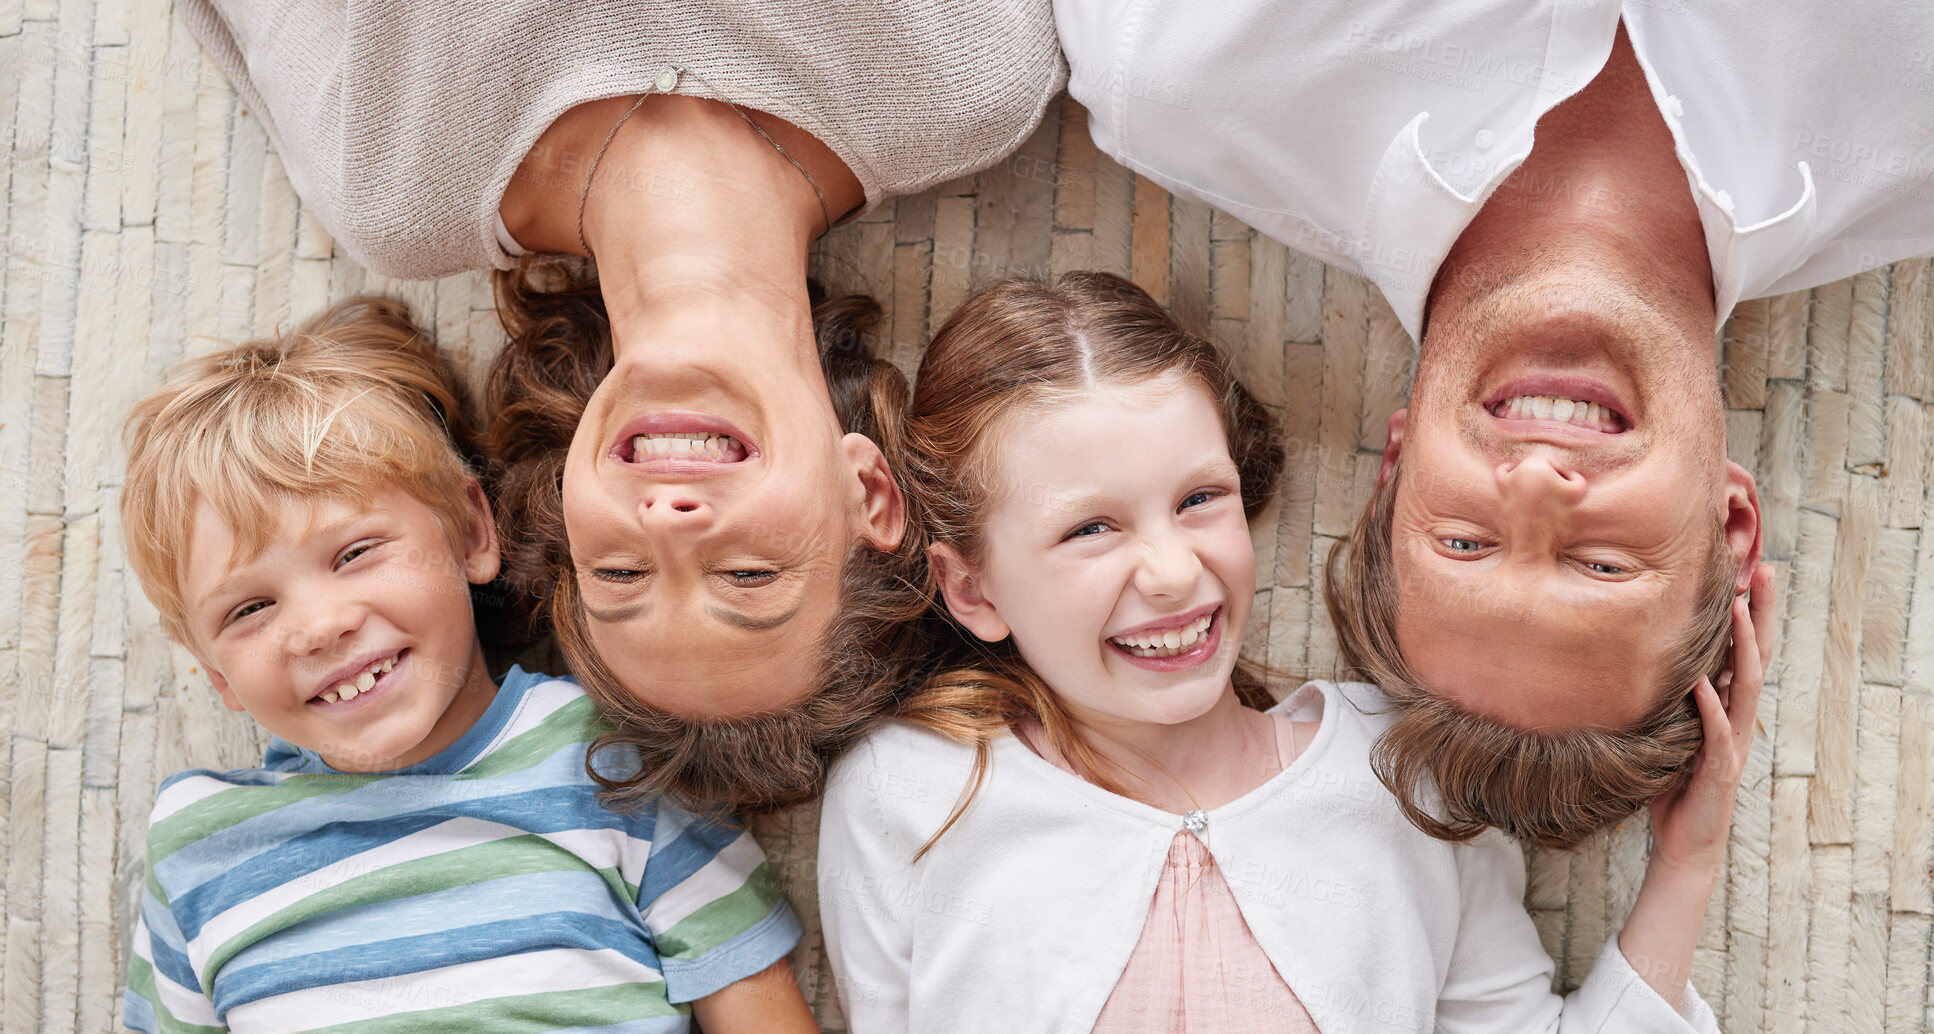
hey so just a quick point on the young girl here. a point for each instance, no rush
(1079, 826)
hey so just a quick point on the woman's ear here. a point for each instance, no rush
(883, 511)
(480, 557)
(961, 588)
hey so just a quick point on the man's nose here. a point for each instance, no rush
(1169, 567)
(1536, 497)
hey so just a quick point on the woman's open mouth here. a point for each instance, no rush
(1183, 645)
(681, 443)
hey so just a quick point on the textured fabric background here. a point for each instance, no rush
(144, 216)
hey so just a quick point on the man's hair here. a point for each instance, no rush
(352, 401)
(1551, 788)
(560, 350)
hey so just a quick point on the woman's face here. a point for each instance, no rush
(711, 501)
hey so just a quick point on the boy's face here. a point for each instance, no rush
(351, 633)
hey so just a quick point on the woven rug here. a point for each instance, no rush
(146, 218)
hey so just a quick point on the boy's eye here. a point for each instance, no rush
(357, 550)
(245, 610)
(1089, 529)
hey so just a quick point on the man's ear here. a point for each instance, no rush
(480, 557)
(961, 588)
(1393, 446)
(1744, 537)
(883, 511)
(227, 692)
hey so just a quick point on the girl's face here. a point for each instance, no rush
(1116, 553)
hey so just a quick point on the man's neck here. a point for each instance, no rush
(1602, 187)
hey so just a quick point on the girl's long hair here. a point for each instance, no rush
(1015, 347)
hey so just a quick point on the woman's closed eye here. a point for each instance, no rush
(617, 575)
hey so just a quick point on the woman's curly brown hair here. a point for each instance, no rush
(560, 350)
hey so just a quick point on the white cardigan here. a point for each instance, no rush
(1022, 917)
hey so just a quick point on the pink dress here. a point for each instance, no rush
(1197, 969)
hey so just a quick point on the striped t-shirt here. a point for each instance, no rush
(484, 889)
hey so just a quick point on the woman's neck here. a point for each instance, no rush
(685, 200)
(1204, 763)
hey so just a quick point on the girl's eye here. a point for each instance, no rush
(1089, 529)
(1463, 545)
(1198, 498)
(751, 578)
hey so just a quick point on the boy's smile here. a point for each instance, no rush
(350, 633)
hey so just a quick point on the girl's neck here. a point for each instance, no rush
(1203, 763)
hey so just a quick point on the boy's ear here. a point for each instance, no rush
(222, 688)
(480, 558)
(961, 588)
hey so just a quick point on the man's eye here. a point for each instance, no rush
(1598, 568)
(1463, 545)
(751, 578)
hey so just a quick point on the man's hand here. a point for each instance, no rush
(1690, 824)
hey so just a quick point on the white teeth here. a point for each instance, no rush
(347, 691)
(1563, 410)
(329, 697)
(364, 681)
(687, 445)
(1167, 643)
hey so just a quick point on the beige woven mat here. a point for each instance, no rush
(143, 208)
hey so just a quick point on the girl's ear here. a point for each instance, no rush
(961, 588)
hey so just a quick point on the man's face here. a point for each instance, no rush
(1563, 487)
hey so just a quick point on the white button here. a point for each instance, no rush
(1485, 139)
(1672, 104)
(1724, 200)
(667, 78)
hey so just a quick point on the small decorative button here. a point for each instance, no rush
(667, 78)
(1485, 138)
(1196, 821)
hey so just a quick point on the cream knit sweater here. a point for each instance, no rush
(401, 121)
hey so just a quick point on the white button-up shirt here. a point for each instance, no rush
(1368, 133)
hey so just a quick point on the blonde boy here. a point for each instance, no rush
(422, 848)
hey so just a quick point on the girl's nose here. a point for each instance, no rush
(1169, 567)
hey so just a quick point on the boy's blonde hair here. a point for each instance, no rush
(353, 400)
